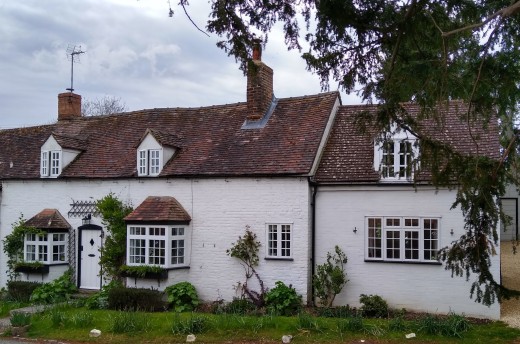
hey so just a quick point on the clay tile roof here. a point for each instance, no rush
(211, 139)
(48, 219)
(159, 208)
(70, 142)
(166, 139)
(349, 155)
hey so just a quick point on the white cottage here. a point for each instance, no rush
(295, 170)
(390, 227)
(196, 178)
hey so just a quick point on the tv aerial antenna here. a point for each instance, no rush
(73, 53)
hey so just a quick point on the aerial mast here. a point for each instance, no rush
(73, 53)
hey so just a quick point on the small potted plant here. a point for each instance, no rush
(31, 267)
(144, 271)
(20, 322)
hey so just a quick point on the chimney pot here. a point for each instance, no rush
(257, 50)
(69, 106)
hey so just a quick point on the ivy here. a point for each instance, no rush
(113, 252)
(14, 245)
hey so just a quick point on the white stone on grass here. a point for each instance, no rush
(95, 333)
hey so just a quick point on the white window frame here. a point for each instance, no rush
(279, 237)
(402, 238)
(156, 245)
(46, 248)
(50, 163)
(149, 162)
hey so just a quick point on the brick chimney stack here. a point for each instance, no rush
(259, 85)
(69, 106)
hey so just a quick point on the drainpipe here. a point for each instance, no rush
(314, 186)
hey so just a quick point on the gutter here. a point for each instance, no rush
(314, 185)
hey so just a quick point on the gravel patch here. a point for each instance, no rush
(510, 268)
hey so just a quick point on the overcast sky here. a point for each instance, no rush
(133, 51)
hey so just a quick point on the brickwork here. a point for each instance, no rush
(69, 106)
(259, 89)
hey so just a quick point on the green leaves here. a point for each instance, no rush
(330, 277)
(113, 252)
(182, 296)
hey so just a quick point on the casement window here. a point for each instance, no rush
(48, 248)
(406, 239)
(149, 162)
(279, 239)
(396, 159)
(157, 245)
(50, 163)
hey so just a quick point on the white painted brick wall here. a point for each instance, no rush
(220, 210)
(412, 286)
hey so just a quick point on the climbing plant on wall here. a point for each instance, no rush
(113, 253)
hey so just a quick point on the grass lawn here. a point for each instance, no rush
(72, 325)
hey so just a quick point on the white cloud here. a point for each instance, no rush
(133, 50)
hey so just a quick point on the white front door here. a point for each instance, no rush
(90, 275)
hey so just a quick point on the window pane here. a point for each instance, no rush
(411, 245)
(30, 253)
(272, 240)
(157, 252)
(137, 251)
(286, 241)
(177, 252)
(374, 238)
(431, 239)
(58, 253)
(393, 245)
(154, 161)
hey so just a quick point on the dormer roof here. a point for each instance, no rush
(164, 139)
(68, 142)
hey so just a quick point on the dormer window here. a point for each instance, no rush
(50, 163)
(149, 161)
(396, 156)
(57, 152)
(154, 151)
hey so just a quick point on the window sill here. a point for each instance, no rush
(435, 262)
(185, 267)
(279, 258)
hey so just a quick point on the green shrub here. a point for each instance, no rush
(129, 322)
(192, 325)
(283, 300)
(240, 306)
(134, 299)
(19, 319)
(397, 324)
(182, 296)
(330, 277)
(100, 299)
(21, 290)
(56, 291)
(373, 306)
